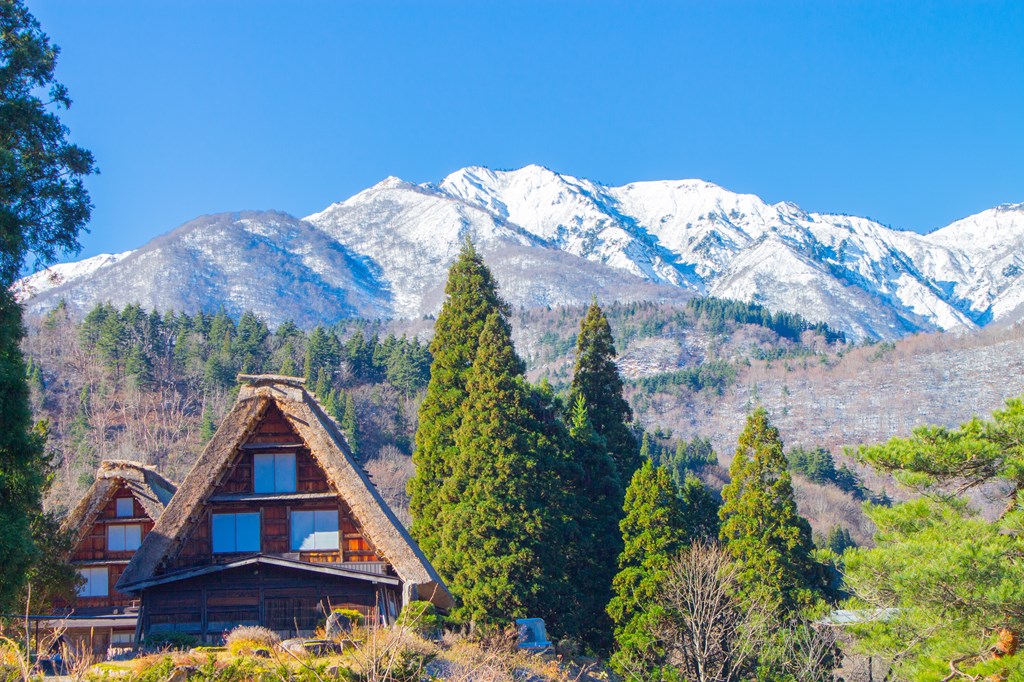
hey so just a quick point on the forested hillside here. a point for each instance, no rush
(151, 385)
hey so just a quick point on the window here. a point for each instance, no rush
(95, 582)
(314, 531)
(122, 639)
(126, 506)
(124, 538)
(273, 472)
(236, 532)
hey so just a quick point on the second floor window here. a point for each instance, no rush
(125, 507)
(236, 532)
(273, 472)
(96, 582)
(314, 530)
(125, 538)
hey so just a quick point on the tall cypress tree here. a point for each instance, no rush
(596, 378)
(653, 532)
(43, 206)
(471, 296)
(594, 545)
(498, 534)
(760, 525)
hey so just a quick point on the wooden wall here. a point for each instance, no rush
(92, 551)
(279, 598)
(274, 429)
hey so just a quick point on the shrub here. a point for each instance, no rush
(354, 617)
(421, 617)
(246, 639)
(157, 672)
(171, 640)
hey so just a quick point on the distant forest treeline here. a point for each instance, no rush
(151, 385)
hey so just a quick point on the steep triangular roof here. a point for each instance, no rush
(330, 450)
(152, 490)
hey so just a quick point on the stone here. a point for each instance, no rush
(337, 625)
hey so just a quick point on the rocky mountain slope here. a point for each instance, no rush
(555, 239)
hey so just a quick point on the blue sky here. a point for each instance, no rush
(910, 113)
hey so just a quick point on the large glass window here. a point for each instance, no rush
(96, 582)
(125, 507)
(273, 472)
(314, 531)
(124, 538)
(236, 532)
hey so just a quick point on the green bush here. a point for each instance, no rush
(421, 617)
(354, 617)
(171, 640)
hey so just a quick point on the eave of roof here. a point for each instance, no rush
(264, 560)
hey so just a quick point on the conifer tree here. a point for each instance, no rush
(760, 524)
(653, 532)
(323, 351)
(497, 536)
(470, 297)
(250, 350)
(350, 424)
(43, 206)
(596, 378)
(595, 543)
(700, 509)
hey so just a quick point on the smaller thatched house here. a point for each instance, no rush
(275, 525)
(108, 525)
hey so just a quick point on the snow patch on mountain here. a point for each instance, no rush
(64, 273)
(556, 239)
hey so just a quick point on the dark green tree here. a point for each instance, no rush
(350, 424)
(498, 536)
(250, 346)
(22, 458)
(323, 352)
(594, 544)
(760, 524)
(207, 425)
(839, 540)
(596, 378)
(43, 207)
(471, 295)
(700, 509)
(139, 368)
(653, 533)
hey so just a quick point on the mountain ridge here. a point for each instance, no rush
(557, 239)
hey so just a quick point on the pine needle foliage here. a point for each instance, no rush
(653, 533)
(596, 378)
(593, 542)
(471, 296)
(760, 525)
(43, 207)
(498, 535)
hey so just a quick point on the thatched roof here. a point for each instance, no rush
(327, 446)
(152, 490)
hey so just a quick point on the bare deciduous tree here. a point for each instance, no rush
(708, 634)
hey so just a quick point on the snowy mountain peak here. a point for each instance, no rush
(554, 238)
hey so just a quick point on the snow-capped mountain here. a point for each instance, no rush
(64, 273)
(554, 239)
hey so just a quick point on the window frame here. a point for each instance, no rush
(113, 528)
(290, 482)
(89, 573)
(234, 532)
(328, 514)
(131, 507)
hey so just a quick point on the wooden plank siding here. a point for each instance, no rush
(274, 432)
(291, 602)
(92, 551)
